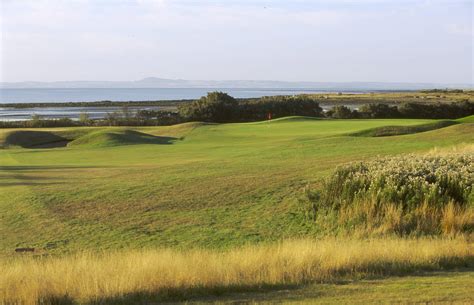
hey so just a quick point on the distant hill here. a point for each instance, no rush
(155, 82)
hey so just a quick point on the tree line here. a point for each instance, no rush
(220, 107)
(405, 110)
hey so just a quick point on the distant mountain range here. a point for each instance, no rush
(154, 82)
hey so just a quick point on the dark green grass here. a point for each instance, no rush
(386, 131)
(218, 186)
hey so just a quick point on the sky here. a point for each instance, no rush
(323, 41)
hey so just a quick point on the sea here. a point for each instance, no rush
(57, 95)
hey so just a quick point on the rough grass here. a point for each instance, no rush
(157, 275)
(411, 194)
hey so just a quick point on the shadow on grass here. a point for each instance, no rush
(64, 300)
(189, 295)
(172, 295)
(28, 183)
(387, 131)
(35, 139)
(42, 168)
(21, 175)
(240, 294)
(104, 138)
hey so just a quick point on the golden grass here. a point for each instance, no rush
(160, 274)
(367, 218)
(463, 148)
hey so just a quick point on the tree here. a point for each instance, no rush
(35, 120)
(215, 107)
(342, 112)
(379, 111)
(279, 106)
(84, 118)
(112, 118)
(126, 114)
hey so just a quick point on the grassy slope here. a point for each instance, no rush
(386, 131)
(215, 186)
(468, 119)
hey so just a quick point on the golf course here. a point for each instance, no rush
(216, 189)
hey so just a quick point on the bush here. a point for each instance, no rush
(220, 107)
(403, 195)
(437, 111)
(215, 107)
(379, 111)
(342, 112)
(279, 106)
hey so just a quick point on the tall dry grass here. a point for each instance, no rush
(160, 274)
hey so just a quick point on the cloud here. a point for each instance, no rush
(459, 29)
(266, 39)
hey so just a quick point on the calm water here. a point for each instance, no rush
(20, 114)
(125, 94)
(114, 94)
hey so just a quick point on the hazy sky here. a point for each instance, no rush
(338, 40)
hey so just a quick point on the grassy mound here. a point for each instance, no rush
(176, 131)
(468, 119)
(289, 119)
(386, 131)
(404, 195)
(114, 137)
(32, 139)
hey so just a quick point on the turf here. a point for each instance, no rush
(427, 288)
(189, 185)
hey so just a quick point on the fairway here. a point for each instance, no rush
(188, 185)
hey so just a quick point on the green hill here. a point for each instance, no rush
(211, 185)
(117, 137)
(468, 119)
(386, 131)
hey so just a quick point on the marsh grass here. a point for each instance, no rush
(166, 274)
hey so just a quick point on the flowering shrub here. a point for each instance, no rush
(402, 194)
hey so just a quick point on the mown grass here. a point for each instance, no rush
(445, 287)
(218, 186)
(159, 275)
